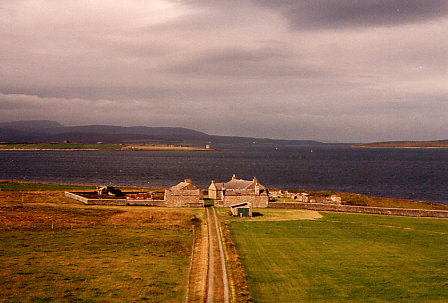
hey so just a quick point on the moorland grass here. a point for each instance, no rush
(54, 252)
(345, 258)
(94, 264)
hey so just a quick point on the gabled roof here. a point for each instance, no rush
(239, 184)
(185, 185)
(217, 185)
(236, 184)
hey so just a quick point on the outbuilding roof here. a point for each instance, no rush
(240, 205)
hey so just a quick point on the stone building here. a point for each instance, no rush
(237, 191)
(184, 194)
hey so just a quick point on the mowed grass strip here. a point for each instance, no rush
(76, 253)
(345, 258)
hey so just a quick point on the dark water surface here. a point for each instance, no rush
(419, 174)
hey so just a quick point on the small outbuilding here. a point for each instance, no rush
(241, 210)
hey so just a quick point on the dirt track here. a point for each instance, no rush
(218, 284)
(208, 281)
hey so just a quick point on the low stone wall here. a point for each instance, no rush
(254, 200)
(116, 202)
(362, 209)
(77, 197)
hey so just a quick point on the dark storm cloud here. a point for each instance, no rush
(330, 14)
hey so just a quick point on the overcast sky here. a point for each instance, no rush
(342, 70)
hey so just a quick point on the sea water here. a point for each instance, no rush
(418, 174)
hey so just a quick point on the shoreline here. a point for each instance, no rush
(402, 147)
(124, 149)
(347, 195)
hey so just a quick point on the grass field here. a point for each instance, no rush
(27, 186)
(56, 250)
(345, 258)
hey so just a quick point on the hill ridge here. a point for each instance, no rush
(52, 131)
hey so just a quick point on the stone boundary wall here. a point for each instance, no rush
(116, 202)
(362, 209)
(255, 200)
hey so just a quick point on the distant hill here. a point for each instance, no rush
(40, 131)
(30, 124)
(406, 144)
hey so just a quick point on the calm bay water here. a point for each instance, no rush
(419, 174)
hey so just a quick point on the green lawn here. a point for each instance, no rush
(345, 258)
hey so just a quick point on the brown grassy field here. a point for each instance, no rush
(53, 249)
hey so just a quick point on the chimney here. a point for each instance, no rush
(187, 181)
(233, 177)
(257, 187)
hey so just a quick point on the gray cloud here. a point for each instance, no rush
(329, 14)
(230, 67)
(260, 63)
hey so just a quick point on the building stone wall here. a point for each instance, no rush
(184, 194)
(183, 200)
(362, 209)
(215, 194)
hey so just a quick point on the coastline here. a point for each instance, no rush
(150, 148)
(401, 147)
(350, 199)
